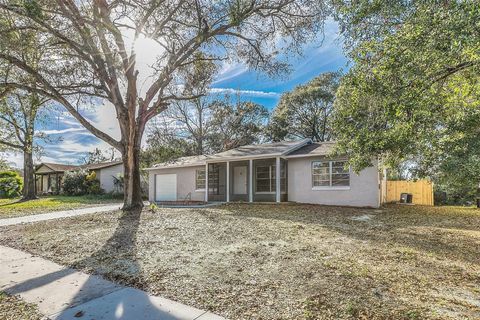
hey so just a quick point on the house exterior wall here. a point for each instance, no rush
(185, 182)
(363, 191)
(105, 176)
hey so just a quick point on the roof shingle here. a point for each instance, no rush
(314, 149)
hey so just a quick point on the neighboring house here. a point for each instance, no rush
(307, 174)
(49, 176)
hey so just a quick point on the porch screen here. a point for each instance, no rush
(265, 178)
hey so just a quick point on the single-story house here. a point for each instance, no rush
(49, 176)
(307, 174)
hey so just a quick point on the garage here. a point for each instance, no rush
(166, 187)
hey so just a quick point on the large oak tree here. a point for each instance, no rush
(93, 53)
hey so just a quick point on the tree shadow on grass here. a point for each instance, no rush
(114, 304)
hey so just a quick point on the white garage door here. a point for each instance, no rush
(166, 187)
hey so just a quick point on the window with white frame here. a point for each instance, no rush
(200, 179)
(330, 174)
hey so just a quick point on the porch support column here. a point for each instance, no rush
(228, 181)
(250, 180)
(206, 182)
(277, 179)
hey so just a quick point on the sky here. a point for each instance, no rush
(69, 141)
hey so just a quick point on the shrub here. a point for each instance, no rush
(92, 185)
(118, 184)
(73, 182)
(10, 184)
(80, 183)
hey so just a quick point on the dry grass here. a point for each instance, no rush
(281, 262)
(13, 308)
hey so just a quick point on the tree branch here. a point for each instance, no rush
(54, 94)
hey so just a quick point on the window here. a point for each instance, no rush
(330, 174)
(265, 179)
(200, 179)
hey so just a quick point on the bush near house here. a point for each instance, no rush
(11, 184)
(77, 183)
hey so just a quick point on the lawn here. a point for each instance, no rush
(13, 308)
(280, 261)
(14, 207)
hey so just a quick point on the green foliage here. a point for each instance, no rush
(236, 124)
(4, 166)
(81, 183)
(10, 184)
(305, 111)
(413, 91)
(73, 182)
(152, 207)
(33, 8)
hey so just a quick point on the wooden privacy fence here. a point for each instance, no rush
(422, 191)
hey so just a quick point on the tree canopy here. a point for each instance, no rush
(305, 111)
(413, 88)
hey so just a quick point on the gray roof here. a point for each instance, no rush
(183, 162)
(101, 165)
(58, 167)
(249, 151)
(314, 149)
(260, 150)
(299, 148)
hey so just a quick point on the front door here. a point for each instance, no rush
(240, 180)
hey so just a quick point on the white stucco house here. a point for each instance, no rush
(308, 174)
(49, 176)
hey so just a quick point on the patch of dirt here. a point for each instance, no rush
(280, 261)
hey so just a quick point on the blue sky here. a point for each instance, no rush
(70, 141)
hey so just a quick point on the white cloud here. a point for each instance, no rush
(62, 131)
(250, 93)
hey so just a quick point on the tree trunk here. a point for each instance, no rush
(28, 177)
(131, 179)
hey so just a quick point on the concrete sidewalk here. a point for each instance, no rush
(62, 293)
(59, 214)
